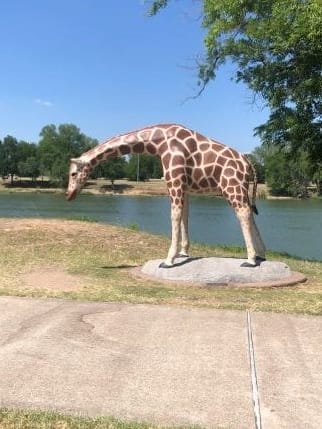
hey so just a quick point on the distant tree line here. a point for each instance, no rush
(50, 158)
(287, 173)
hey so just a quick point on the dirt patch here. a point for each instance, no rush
(52, 278)
(58, 225)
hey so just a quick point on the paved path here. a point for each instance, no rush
(161, 364)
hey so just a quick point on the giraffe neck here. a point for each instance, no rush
(147, 140)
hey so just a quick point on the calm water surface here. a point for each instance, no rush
(292, 226)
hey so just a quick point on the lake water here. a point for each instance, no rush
(292, 226)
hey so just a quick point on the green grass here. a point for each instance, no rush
(18, 419)
(82, 218)
(101, 258)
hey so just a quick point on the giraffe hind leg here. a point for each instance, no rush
(259, 245)
(244, 216)
(184, 234)
(176, 215)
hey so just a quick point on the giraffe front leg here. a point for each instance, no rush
(244, 216)
(176, 215)
(184, 252)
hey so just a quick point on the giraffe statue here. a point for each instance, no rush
(191, 163)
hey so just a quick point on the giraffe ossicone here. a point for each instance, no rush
(192, 163)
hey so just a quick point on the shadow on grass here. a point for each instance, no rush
(118, 188)
(118, 267)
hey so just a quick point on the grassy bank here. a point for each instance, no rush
(89, 261)
(14, 419)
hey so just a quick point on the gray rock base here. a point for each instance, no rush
(223, 271)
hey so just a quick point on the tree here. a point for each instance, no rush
(317, 179)
(278, 174)
(112, 169)
(1, 160)
(57, 146)
(277, 47)
(26, 150)
(285, 174)
(257, 157)
(29, 168)
(144, 167)
(156, 168)
(27, 157)
(9, 157)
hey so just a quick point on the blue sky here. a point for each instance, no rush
(108, 68)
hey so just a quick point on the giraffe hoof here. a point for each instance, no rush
(259, 259)
(248, 265)
(182, 255)
(164, 265)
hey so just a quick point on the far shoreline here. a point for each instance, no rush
(151, 187)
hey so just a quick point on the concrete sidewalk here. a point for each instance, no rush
(165, 365)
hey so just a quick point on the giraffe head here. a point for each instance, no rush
(78, 174)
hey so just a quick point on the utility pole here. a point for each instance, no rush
(138, 168)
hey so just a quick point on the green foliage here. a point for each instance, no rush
(144, 167)
(57, 146)
(286, 175)
(258, 161)
(26, 150)
(277, 47)
(112, 169)
(133, 227)
(82, 219)
(317, 178)
(29, 167)
(278, 174)
(9, 157)
(156, 6)
(49, 158)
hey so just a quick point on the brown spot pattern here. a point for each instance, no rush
(166, 161)
(191, 162)
(209, 158)
(221, 160)
(177, 160)
(124, 149)
(191, 145)
(138, 148)
(183, 134)
(151, 148)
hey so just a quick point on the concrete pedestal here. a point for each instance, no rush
(224, 271)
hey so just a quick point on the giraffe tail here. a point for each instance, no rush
(254, 191)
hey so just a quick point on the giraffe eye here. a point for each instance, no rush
(74, 174)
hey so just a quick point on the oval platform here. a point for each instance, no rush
(223, 272)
